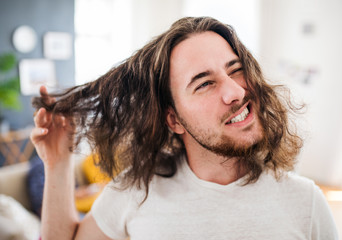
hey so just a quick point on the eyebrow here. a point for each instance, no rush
(207, 73)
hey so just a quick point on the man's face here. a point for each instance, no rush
(213, 107)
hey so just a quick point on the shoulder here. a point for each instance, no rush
(301, 199)
(291, 193)
(122, 193)
(290, 181)
(322, 225)
(301, 192)
(292, 187)
(115, 205)
(295, 182)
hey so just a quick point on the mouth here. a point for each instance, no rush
(242, 115)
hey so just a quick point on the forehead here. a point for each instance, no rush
(200, 52)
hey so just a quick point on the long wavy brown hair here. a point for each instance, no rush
(122, 114)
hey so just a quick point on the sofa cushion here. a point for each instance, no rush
(12, 182)
(16, 222)
(35, 184)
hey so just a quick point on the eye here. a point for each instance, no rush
(236, 72)
(203, 85)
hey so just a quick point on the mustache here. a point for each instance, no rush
(236, 108)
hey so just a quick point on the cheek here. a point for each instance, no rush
(242, 83)
(197, 110)
(199, 113)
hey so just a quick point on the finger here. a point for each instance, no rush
(42, 118)
(65, 123)
(43, 91)
(37, 133)
(59, 120)
(39, 117)
(45, 95)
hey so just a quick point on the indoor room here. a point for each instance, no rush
(66, 43)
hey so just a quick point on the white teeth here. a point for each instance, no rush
(242, 116)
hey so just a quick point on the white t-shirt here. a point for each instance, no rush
(186, 207)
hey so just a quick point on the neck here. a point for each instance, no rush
(211, 167)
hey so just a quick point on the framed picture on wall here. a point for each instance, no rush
(57, 45)
(34, 73)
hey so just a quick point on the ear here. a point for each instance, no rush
(173, 122)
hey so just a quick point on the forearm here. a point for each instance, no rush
(59, 216)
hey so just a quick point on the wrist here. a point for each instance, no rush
(58, 165)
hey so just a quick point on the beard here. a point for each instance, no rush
(227, 146)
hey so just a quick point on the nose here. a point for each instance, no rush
(232, 91)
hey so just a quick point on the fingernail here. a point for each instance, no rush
(44, 131)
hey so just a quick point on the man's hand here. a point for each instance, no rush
(52, 134)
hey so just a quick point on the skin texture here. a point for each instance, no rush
(202, 82)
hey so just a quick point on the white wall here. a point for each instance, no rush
(108, 31)
(300, 37)
(243, 15)
(153, 17)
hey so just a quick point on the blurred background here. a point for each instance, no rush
(297, 42)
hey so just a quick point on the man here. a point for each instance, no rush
(203, 141)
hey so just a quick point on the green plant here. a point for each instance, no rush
(9, 84)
